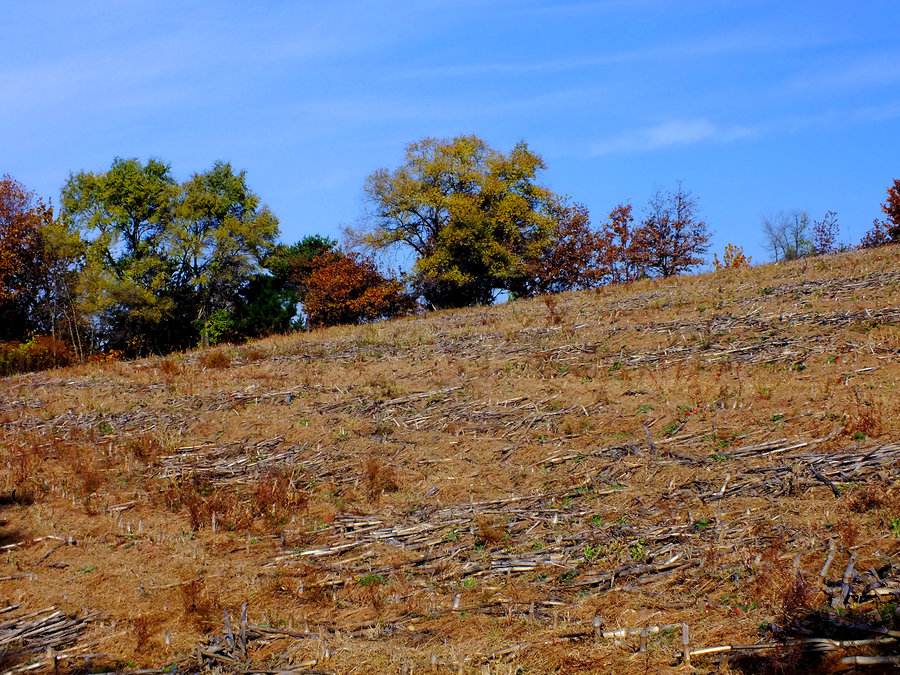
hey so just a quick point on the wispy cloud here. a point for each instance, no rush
(683, 132)
(670, 134)
(730, 42)
(875, 70)
(176, 65)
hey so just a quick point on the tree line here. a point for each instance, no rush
(134, 262)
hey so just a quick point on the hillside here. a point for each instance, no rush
(467, 491)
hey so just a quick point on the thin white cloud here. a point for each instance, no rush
(670, 134)
(683, 132)
(176, 64)
(732, 42)
(877, 70)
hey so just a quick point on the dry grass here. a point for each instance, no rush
(470, 489)
(216, 358)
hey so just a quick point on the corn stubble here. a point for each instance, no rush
(699, 470)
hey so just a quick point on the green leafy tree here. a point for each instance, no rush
(473, 216)
(124, 214)
(264, 307)
(217, 241)
(131, 204)
(165, 262)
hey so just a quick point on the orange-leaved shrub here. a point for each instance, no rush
(39, 353)
(732, 259)
(345, 288)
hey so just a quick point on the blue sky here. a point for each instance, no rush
(757, 105)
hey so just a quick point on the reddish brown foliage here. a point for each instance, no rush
(489, 531)
(796, 600)
(891, 208)
(347, 288)
(110, 356)
(554, 315)
(871, 497)
(886, 231)
(379, 479)
(618, 246)
(672, 238)
(21, 216)
(866, 419)
(20, 483)
(572, 261)
(876, 236)
(825, 234)
(38, 353)
(275, 497)
(215, 359)
(198, 604)
(170, 368)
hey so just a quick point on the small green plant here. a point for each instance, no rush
(452, 535)
(591, 553)
(778, 417)
(644, 408)
(371, 579)
(469, 583)
(895, 526)
(597, 520)
(672, 427)
(859, 437)
(719, 457)
(638, 551)
(701, 524)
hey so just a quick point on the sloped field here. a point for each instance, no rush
(595, 482)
